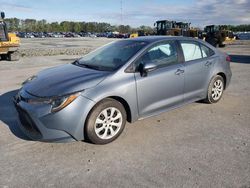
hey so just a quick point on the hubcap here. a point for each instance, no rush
(108, 123)
(217, 89)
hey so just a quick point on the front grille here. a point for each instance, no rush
(28, 124)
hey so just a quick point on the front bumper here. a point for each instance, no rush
(38, 123)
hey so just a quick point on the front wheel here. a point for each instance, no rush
(105, 122)
(215, 89)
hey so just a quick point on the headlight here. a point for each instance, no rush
(29, 79)
(61, 102)
(57, 103)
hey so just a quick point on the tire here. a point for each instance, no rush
(14, 56)
(100, 127)
(215, 89)
(4, 57)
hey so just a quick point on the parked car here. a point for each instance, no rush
(21, 35)
(69, 35)
(93, 97)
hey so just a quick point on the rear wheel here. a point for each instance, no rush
(215, 89)
(105, 122)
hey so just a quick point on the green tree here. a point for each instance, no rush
(124, 28)
(77, 27)
(30, 25)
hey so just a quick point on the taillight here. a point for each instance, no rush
(228, 58)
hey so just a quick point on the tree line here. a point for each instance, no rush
(32, 25)
(243, 27)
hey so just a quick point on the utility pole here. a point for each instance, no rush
(121, 13)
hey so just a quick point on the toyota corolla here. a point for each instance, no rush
(93, 97)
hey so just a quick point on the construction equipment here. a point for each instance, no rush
(217, 34)
(9, 42)
(138, 33)
(165, 27)
(214, 35)
(173, 28)
(226, 33)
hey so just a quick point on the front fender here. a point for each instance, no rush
(122, 86)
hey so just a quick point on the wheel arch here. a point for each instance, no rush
(224, 78)
(125, 105)
(119, 99)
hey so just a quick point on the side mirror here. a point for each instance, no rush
(147, 67)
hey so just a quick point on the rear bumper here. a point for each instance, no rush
(228, 77)
(38, 123)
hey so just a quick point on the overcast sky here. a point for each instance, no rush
(134, 12)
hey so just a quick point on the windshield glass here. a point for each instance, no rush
(112, 56)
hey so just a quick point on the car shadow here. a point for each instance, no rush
(240, 59)
(9, 115)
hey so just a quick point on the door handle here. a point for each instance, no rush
(179, 71)
(208, 63)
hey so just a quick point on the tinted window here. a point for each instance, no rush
(162, 55)
(191, 51)
(206, 52)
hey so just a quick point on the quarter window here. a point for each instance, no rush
(191, 51)
(162, 55)
(206, 52)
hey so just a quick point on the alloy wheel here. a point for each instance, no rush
(217, 89)
(108, 123)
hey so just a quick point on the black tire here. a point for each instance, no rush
(14, 56)
(4, 57)
(96, 112)
(210, 93)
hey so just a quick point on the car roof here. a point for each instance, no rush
(151, 39)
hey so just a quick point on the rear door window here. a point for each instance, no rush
(191, 51)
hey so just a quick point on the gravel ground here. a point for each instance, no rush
(59, 46)
(198, 145)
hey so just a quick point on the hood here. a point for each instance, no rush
(63, 80)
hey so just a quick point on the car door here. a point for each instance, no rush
(197, 69)
(163, 87)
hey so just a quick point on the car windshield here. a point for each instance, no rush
(112, 56)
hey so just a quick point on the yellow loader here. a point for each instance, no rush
(9, 42)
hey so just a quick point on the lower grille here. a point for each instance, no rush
(28, 124)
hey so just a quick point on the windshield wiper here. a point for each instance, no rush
(86, 65)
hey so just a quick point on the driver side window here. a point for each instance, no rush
(162, 55)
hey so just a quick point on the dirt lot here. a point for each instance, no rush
(198, 145)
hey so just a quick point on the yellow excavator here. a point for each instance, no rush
(9, 42)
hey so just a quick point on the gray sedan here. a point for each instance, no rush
(93, 97)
